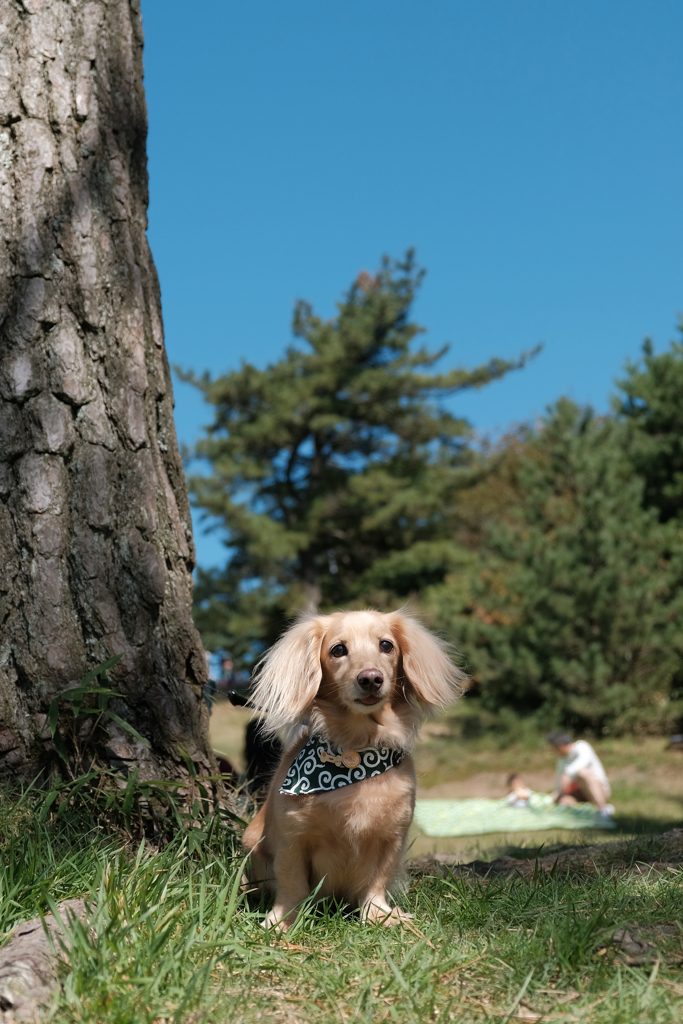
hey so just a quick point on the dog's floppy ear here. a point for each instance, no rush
(428, 671)
(288, 676)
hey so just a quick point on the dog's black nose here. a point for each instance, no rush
(370, 679)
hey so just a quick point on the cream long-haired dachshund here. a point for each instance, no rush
(353, 688)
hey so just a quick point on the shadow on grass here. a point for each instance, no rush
(635, 826)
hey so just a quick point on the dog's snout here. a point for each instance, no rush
(370, 679)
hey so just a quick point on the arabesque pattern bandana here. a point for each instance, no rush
(321, 767)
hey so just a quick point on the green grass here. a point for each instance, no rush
(173, 938)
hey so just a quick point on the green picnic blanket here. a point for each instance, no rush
(477, 817)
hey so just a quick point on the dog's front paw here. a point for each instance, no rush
(381, 913)
(396, 917)
(276, 919)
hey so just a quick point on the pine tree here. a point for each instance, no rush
(96, 550)
(652, 404)
(575, 611)
(336, 470)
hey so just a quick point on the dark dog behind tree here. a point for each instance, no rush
(261, 755)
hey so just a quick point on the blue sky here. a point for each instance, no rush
(531, 151)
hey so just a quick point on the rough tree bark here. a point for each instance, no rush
(96, 548)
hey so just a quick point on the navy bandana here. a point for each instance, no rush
(321, 767)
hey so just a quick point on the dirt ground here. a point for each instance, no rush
(667, 780)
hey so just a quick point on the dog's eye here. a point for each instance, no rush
(386, 646)
(338, 651)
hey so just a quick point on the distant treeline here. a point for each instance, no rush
(552, 560)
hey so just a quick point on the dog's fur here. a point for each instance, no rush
(351, 841)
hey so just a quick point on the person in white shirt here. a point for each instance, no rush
(580, 774)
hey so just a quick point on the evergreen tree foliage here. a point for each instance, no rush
(652, 404)
(574, 612)
(336, 470)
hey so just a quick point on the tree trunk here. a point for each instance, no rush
(96, 548)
